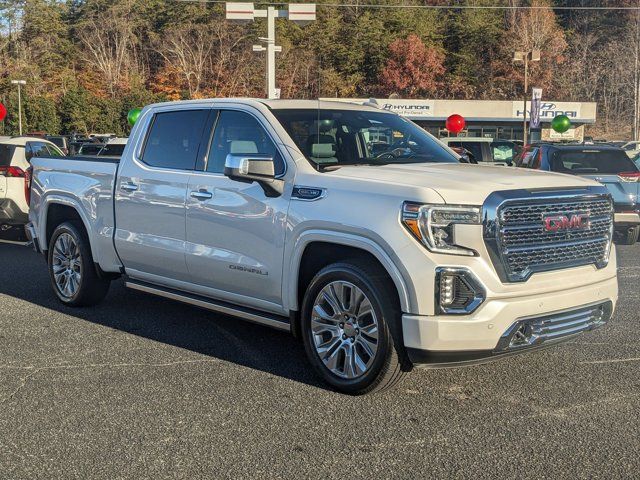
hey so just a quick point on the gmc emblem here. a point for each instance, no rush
(554, 223)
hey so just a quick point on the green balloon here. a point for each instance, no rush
(132, 116)
(561, 123)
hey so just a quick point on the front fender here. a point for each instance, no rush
(363, 239)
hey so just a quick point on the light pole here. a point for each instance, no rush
(301, 13)
(19, 83)
(525, 58)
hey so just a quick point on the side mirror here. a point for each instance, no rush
(254, 168)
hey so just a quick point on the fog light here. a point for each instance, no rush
(457, 291)
(447, 285)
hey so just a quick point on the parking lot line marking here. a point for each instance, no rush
(615, 360)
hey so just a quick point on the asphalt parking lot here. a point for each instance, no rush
(141, 387)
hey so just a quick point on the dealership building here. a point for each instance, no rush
(500, 119)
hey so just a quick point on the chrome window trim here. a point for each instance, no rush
(491, 225)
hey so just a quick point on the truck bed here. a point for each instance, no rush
(84, 182)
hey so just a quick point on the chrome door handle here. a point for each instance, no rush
(129, 187)
(201, 194)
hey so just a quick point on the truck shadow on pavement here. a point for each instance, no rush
(23, 275)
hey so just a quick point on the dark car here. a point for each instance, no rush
(606, 164)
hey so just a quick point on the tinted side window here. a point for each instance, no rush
(54, 152)
(174, 139)
(239, 133)
(6, 154)
(37, 149)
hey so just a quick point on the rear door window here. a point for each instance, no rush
(592, 161)
(502, 151)
(6, 154)
(37, 149)
(174, 139)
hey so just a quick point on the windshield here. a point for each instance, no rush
(591, 161)
(358, 137)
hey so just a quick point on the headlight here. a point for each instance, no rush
(433, 225)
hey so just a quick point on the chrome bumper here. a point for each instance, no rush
(524, 335)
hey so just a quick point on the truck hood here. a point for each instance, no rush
(463, 183)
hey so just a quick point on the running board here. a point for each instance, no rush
(256, 316)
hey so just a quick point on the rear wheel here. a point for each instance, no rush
(348, 315)
(629, 236)
(73, 274)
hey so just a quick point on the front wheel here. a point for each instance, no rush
(348, 315)
(73, 274)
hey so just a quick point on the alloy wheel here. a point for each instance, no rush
(67, 265)
(344, 328)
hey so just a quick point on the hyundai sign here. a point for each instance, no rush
(549, 110)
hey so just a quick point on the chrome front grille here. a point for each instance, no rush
(521, 241)
(555, 326)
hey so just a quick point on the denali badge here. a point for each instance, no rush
(578, 221)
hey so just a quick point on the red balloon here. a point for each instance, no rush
(455, 123)
(3, 112)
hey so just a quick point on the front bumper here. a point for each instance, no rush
(626, 219)
(446, 340)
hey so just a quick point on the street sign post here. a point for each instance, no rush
(301, 13)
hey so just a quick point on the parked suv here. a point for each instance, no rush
(15, 155)
(378, 250)
(606, 164)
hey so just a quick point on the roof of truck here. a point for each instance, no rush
(280, 104)
(313, 104)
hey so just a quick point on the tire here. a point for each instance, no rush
(328, 337)
(629, 236)
(77, 267)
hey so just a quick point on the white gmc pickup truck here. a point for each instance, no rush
(347, 225)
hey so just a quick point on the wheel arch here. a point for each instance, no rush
(56, 210)
(342, 243)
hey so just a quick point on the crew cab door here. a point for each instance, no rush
(235, 233)
(151, 192)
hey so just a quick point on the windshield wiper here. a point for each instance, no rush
(324, 167)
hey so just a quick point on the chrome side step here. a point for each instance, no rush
(256, 316)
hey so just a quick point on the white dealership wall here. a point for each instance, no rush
(485, 111)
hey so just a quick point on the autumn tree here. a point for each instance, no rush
(109, 43)
(413, 69)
